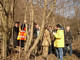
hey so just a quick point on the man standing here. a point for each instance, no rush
(34, 31)
(59, 41)
(22, 35)
(37, 29)
(15, 34)
(68, 41)
(46, 41)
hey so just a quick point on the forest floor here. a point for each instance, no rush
(75, 55)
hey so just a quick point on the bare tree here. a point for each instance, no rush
(76, 16)
(5, 37)
(41, 31)
(54, 6)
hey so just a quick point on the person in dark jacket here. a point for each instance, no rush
(15, 34)
(68, 41)
(34, 31)
(38, 29)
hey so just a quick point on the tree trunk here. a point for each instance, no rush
(76, 13)
(54, 4)
(41, 31)
(4, 19)
(5, 37)
(63, 21)
(26, 44)
(31, 32)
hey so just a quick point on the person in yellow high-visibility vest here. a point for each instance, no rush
(59, 43)
(22, 35)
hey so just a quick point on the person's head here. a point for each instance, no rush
(17, 24)
(55, 27)
(35, 24)
(49, 27)
(25, 21)
(45, 26)
(58, 26)
(67, 28)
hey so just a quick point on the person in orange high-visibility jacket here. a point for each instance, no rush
(22, 35)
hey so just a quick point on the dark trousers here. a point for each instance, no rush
(51, 48)
(21, 43)
(15, 43)
(66, 50)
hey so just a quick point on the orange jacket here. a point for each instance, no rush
(21, 35)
